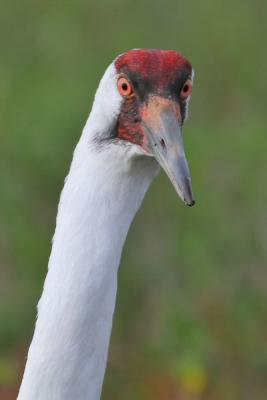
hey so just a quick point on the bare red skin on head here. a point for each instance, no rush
(160, 66)
(127, 132)
(157, 66)
(129, 127)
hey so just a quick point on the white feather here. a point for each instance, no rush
(103, 191)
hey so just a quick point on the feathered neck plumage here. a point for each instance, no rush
(103, 191)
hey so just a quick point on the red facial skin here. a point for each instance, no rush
(159, 66)
(156, 71)
(129, 125)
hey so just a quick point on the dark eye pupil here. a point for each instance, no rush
(185, 88)
(124, 86)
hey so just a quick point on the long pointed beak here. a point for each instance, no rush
(161, 119)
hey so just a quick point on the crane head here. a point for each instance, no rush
(155, 86)
(148, 94)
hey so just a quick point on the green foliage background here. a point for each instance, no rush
(191, 318)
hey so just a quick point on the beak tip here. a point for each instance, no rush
(191, 204)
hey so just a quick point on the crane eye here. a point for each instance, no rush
(124, 86)
(187, 89)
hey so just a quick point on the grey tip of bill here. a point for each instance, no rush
(191, 204)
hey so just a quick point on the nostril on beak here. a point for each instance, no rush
(162, 142)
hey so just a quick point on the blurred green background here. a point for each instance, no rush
(191, 316)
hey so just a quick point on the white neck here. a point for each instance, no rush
(102, 193)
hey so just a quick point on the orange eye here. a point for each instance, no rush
(187, 89)
(124, 86)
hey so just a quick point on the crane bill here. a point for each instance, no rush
(161, 120)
